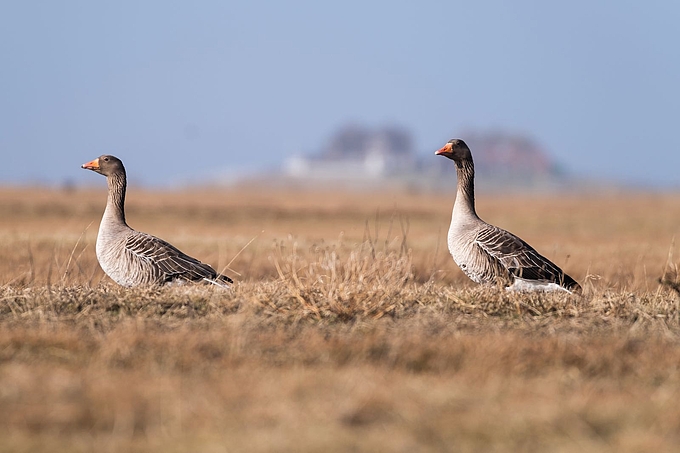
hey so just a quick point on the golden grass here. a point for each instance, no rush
(349, 328)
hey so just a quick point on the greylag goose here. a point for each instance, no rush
(133, 258)
(488, 254)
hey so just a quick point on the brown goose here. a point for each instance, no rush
(488, 254)
(132, 258)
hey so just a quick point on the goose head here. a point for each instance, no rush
(456, 150)
(105, 165)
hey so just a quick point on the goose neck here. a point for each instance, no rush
(465, 193)
(115, 203)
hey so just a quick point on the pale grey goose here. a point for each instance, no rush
(488, 254)
(132, 258)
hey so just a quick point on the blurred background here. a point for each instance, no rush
(188, 93)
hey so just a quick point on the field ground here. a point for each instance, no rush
(349, 328)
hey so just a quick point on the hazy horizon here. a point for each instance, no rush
(181, 91)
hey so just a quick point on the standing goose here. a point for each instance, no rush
(133, 258)
(488, 254)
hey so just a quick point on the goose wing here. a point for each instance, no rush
(518, 257)
(167, 261)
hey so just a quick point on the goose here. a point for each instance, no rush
(488, 254)
(132, 258)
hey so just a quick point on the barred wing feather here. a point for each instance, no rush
(518, 257)
(167, 261)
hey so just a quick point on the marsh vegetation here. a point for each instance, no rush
(349, 327)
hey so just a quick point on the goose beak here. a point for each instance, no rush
(445, 150)
(92, 165)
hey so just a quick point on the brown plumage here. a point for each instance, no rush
(133, 258)
(488, 254)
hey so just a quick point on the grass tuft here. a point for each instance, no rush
(346, 329)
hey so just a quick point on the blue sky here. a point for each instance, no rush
(181, 90)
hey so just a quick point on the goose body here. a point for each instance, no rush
(488, 254)
(132, 258)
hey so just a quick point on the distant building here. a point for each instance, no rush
(509, 154)
(358, 154)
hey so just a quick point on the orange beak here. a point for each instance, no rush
(444, 150)
(92, 165)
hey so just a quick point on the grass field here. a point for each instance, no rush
(349, 328)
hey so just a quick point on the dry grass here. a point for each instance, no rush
(349, 328)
